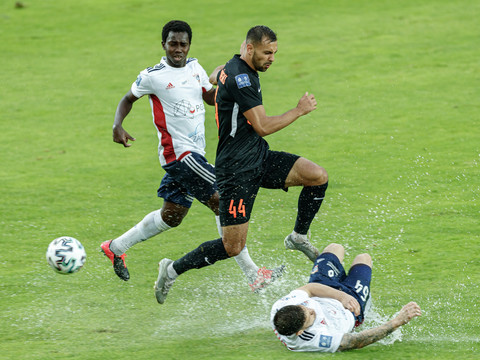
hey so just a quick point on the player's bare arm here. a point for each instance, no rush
(265, 125)
(124, 106)
(320, 290)
(213, 76)
(209, 96)
(367, 337)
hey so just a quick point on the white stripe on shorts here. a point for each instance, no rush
(234, 120)
(198, 169)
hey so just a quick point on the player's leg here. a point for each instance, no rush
(285, 170)
(156, 222)
(328, 268)
(175, 207)
(198, 177)
(357, 282)
(336, 249)
(314, 180)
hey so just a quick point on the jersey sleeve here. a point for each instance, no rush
(244, 90)
(143, 85)
(204, 79)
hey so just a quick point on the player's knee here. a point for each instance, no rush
(334, 248)
(213, 202)
(233, 249)
(321, 176)
(172, 219)
(363, 259)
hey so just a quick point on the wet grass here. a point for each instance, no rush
(396, 128)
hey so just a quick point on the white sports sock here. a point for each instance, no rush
(219, 227)
(246, 263)
(151, 225)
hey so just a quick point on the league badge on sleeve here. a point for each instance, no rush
(325, 341)
(242, 80)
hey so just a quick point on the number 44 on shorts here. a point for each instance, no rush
(362, 290)
(234, 210)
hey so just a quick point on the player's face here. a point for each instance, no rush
(309, 316)
(176, 48)
(264, 55)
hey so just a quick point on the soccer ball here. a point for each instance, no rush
(66, 255)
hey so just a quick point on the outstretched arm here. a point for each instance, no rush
(265, 125)
(124, 106)
(367, 337)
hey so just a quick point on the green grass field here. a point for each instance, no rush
(397, 128)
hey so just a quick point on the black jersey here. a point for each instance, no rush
(239, 148)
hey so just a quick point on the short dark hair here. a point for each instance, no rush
(289, 320)
(176, 26)
(256, 34)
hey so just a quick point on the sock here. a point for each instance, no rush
(309, 202)
(151, 225)
(219, 227)
(206, 254)
(246, 263)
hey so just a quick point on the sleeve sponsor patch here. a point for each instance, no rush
(139, 80)
(242, 80)
(325, 341)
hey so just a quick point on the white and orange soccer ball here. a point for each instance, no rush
(66, 255)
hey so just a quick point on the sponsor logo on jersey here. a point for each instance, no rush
(242, 81)
(169, 86)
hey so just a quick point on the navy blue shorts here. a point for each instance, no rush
(238, 191)
(328, 270)
(190, 177)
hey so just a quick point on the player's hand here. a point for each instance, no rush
(121, 136)
(307, 104)
(408, 312)
(350, 303)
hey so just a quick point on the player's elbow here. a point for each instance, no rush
(262, 131)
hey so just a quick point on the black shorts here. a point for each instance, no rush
(239, 190)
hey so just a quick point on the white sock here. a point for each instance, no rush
(151, 225)
(171, 273)
(246, 263)
(219, 227)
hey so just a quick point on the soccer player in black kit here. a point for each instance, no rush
(244, 162)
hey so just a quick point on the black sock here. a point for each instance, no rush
(309, 203)
(206, 254)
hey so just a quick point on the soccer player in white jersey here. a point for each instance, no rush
(177, 88)
(321, 315)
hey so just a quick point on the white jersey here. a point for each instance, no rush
(177, 106)
(332, 321)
